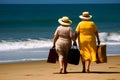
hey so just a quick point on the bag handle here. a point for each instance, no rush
(74, 47)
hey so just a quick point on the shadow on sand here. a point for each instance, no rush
(99, 72)
(96, 72)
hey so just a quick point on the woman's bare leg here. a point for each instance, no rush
(61, 65)
(65, 66)
(83, 64)
(87, 66)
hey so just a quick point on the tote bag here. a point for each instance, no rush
(74, 56)
(52, 57)
(101, 54)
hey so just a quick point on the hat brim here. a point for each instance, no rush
(63, 23)
(85, 18)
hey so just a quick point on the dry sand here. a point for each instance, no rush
(41, 70)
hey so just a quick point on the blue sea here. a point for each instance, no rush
(26, 30)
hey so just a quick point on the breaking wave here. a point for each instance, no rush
(112, 38)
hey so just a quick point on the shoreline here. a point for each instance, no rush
(41, 70)
(36, 60)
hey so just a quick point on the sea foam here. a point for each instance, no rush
(27, 44)
(105, 38)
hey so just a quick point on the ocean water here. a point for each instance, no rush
(26, 30)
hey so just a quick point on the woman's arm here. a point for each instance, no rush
(55, 39)
(72, 37)
(74, 40)
(76, 35)
(97, 36)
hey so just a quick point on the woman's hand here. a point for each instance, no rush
(75, 44)
(98, 42)
(53, 46)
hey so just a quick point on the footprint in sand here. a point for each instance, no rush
(28, 75)
(112, 67)
(111, 79)
(118, 64)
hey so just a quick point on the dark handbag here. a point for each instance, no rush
(101, 54)
(52, 57)
(74, 56)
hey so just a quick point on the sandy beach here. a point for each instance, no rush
(41, 70)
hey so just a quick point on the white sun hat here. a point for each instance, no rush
(65, 21)
(85, 16)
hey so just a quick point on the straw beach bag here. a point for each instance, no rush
(101, 54)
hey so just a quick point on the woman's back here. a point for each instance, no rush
(63, 32)
(87, 28)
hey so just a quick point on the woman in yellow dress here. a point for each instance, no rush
(87, 32)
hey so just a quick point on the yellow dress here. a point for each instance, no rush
(87, 40)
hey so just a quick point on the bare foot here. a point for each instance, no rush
(61, 69)
(87, 71)
(65, 72)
